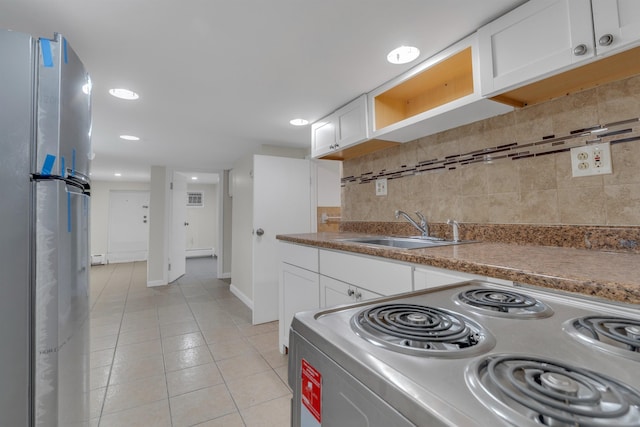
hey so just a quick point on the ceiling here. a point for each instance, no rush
(220, 78)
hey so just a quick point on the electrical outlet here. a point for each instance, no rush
(381, 187)
(592, 159)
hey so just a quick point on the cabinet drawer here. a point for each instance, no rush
(431, 277)
(376, 275)
(299, 255)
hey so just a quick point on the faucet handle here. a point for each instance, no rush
(423, 220)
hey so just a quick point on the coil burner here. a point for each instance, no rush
(552, 393)
(504, 303)
(618, 335)
(421, 330)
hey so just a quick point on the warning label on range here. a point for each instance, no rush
(311, 390)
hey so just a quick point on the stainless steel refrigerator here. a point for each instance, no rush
(45, 138)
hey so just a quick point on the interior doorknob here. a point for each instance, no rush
(259, 231)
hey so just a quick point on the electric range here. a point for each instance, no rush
(469, 354)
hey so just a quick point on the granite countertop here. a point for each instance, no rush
(608, 275)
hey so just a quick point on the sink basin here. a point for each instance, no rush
(403, 242)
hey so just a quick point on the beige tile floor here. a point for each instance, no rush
(181, 355)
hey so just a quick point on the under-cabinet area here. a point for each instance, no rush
(312, 278)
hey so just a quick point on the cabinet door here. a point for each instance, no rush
(534, 41)
(323, 136)
(334, 292)
(619, 19)
(363, 294)
(352, 122)
(299, 292)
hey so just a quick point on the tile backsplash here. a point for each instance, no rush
(511, 169)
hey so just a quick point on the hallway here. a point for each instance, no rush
(181, 355)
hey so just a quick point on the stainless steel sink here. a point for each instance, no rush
(404, 242)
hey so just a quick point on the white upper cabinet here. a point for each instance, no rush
(440, 93)
(341, 129)
(616, 24)
(545, 37)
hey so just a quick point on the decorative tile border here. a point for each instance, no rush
(614, 133)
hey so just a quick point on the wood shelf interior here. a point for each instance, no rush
(612, 68)
(360, 149)
(444, 82)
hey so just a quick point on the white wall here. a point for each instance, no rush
(202, 232)
(100, 210)
(328, 182)
(157, 271)
(242, 224)
(224, 262)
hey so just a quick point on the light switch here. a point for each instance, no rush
(381, 187)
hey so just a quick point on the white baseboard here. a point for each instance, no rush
(198, 253)
(224, 276)
(242, 297)
(154, 283)
(119, 257)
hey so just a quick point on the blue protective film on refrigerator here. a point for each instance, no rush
(47, 167)
(64, 50)
(47, 56)
(73, 162)
(62, 170)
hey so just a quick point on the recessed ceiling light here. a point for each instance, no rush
(403, 54)
(299, 122)
(117, 174)
(130, 137)
(195, 178)
(124, 94)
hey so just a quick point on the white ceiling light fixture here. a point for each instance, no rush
(194, 178)
(299, 122)
(124, 94)
(129, 137)
(117, 174)
(403, 54)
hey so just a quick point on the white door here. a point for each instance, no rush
(281, 205)
(178, 238)
(128, 238)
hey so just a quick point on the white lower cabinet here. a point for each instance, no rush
(299, 285)
(335, 292)
(374, 274)
(311, 278)
(425, 277)
(299, 292)
(432, 277)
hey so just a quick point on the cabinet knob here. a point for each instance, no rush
(605, 40)
(336, 146)
(259, 231)
(350, 292)
(331, 147)
(358, 296)
(580, 50)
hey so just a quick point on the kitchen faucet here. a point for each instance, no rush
(423, 226)
(454, 224)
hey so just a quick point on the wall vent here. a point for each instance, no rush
(195, 199)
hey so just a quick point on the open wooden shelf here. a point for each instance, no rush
(444, 82)
(609, 69)
(359, 150)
